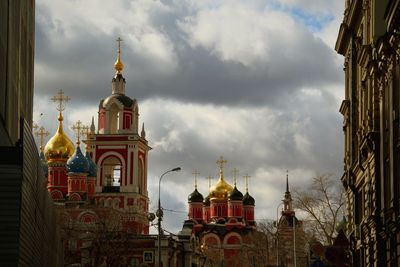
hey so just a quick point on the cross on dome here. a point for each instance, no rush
(86, 132)
(34, 126)
(61, 99)
(221, 163)
(42, 133)
(209, 181)
(246, 177)
(195, 173)
(78, 128)
(235, 172)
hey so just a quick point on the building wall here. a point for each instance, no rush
(286, 246)
(28, 235)
(17, 40)
(368, 39)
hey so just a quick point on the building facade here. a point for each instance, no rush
(28, 233)
(369, 41)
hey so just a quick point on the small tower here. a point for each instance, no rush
(291, 236)
(57, 151)
(248, 205)
(118, 113)
(235, 200)
(219, 194)
(195, 200)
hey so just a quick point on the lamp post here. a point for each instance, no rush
(277, 237)
(159, 213)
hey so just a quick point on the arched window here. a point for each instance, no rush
(112, 173)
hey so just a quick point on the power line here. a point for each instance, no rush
(177, 211)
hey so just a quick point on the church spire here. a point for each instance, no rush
(143, 133)
(287, 181)
(92, 126)
(118, 63)
(287, 201)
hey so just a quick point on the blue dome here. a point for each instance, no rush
(78, 163)
(43, 164)
(92, 166)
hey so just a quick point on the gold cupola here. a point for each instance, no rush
(118, 63)
(221, 189)
(59, 148)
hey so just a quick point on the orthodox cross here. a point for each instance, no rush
(78, 127)
(246, 177)
(221, 163)
(235, 172)
(119, 40)
(86, 132)
(195, 173)
(209, 181)
(61, 99)
(34, 126)
(42, 133)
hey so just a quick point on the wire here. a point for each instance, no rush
(177, 211)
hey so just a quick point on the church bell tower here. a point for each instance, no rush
(121, 153)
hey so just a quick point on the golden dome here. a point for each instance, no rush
(118, 65)
(59, 148)
(221, 189)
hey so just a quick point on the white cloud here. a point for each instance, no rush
(241, 33)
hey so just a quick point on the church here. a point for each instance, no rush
(101, 199)
(223, 222)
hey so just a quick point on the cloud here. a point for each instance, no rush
(249, 80)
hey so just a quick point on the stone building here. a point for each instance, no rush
(369, 41)
(28, 233)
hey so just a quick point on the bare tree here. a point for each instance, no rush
(323, 203)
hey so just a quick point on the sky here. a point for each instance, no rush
(257, 82)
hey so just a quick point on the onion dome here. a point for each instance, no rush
(59, 148)
(221, 189)
(248, 200)
(195, 196)
(235, 194)
(92, 166)
(206, 201)
(43, 163)
(78, 162)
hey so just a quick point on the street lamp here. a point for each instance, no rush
(159, 213)
(277, 234)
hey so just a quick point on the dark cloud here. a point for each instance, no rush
(82, 65)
